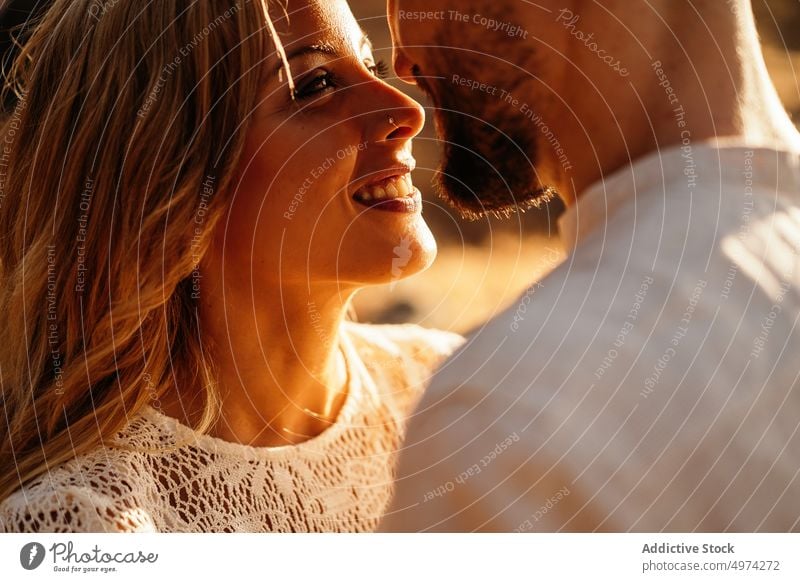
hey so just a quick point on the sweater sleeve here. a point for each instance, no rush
(68, 510)
(425, 349)
(406, 357)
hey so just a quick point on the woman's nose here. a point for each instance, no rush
(400, 118)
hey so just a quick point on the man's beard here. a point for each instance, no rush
(490, 155)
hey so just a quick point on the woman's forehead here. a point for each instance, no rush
(323, 26)
(317, 22)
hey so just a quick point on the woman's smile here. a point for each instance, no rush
(393, 194)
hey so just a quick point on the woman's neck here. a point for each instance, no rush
(281, 371)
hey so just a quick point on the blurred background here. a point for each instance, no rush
(485, 265)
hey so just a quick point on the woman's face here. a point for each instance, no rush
(325, 194)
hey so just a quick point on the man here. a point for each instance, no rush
(650, 382)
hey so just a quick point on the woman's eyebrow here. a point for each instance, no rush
(366, 42)
(325, 48)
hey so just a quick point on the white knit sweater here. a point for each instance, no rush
(176, 480)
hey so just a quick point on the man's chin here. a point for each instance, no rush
(487, 168)
(475, 197)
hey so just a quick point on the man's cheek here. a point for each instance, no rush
(419, 35)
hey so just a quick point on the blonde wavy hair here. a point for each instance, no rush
(129, 125)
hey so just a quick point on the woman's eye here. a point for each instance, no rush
(319, 82)
(379, 69)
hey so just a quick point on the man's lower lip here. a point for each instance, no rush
(406, 204)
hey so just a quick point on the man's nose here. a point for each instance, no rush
(403, 65)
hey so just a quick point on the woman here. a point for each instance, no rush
(186, 216)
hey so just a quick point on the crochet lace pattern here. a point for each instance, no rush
(169, 478)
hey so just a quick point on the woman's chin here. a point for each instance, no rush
(419, 262)
(393, 256)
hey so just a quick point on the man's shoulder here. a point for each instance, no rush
(555, 336)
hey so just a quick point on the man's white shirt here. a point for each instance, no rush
(649, 383)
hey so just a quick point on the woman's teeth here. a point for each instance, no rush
(389, 189)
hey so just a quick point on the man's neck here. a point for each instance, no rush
(705, 80)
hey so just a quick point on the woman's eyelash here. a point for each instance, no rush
(324, 80)
(320, 82)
